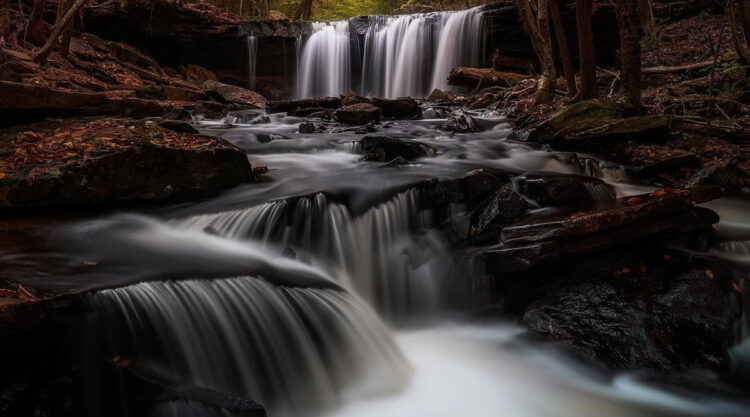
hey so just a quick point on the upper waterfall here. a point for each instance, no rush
(406, 55)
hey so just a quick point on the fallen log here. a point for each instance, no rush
(477, 78)
(662, 69)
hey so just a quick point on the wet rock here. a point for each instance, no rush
(248, 117)
(580, 116)
(400, 108)
(723, 174)
(178, 126)
(460, 122)
(269, 137)
(665, 166)
(358, 114)
(565, 190)
(290, 106)
(211, 109)
(387, 148)
(311, 112)
(640, 316)
(307, 127)
(469, 189)
(502, 208)
(352, 98)
(196, 74)
(179, 113)
(232, 94)
(112, 162)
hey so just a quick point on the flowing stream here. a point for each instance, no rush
(328, 291)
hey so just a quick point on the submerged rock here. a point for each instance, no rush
(307, 127)
(358, 114)
(387, 148)
(460, 122)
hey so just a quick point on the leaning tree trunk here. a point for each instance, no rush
(35, 31)
(736, 21)
(630, 52)
(562, 44)
(41, 55)
(646, 13)
(67, 32)
(537, 27)
(586, 59)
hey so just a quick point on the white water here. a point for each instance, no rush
(324, 64)
(406, 55)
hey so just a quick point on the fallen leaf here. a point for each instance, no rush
(626, 270)
(577, 215)
(2, 175)
(709, 274)
(24, 294)
(737, 287)
(667, 257)
(91, 263)
(634, 200)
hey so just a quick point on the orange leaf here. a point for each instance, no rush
(709, 274)
(2, 175)
(737, 287)
(634, 200)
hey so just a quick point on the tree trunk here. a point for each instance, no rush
(35, 32)
(305, 10)
(630, 52)
(736, 22)
(562, 44)
(586, 60)
(537, 27)
(646, 14)
(4, 18)
(41, 55)
(745, 8)
(67, 32)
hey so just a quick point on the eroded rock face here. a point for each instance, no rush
(386, 148)
(358, 114)
(108, 162)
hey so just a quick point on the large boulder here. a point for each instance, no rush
(387, 148)
(358, 114)
(633, 311)
(549, 190)
(232, 94)
(292, 106)
(100, 163)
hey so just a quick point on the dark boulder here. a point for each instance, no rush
(211, 109)
(400, 108)
(387, 148)
(307, 127)
(178, 126)
(502, 208)
(358, 114)
(632, 312)
(460, 122)
(352, 98)
(565, 190)
(290, 106)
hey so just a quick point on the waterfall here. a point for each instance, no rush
(252, 58)
(292, 349)
(406, 55)
(462, 29)
(324, 66)
(377, 254)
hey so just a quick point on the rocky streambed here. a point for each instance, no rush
(426, 212)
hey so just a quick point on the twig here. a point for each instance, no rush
(725, 115)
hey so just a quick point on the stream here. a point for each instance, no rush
(327, 291)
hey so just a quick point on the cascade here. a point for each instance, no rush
(292, 348)
(376, 254)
